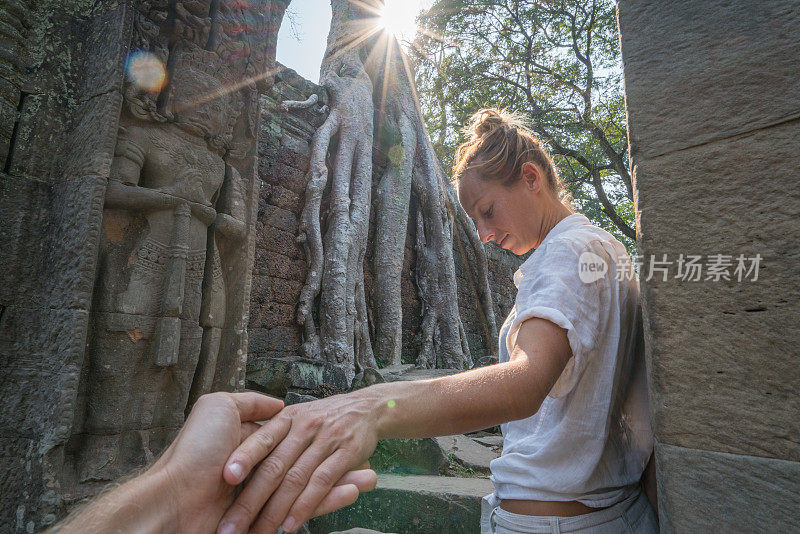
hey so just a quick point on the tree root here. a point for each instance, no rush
(336, 248)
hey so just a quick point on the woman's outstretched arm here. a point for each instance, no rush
(307, 447)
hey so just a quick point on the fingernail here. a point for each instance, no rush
(289, 525)
(226, 528)
(237, 471)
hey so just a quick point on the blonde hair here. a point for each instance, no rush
(499, 144)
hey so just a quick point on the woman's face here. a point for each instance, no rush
(511, 216)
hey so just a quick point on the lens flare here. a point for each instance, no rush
(398, 18)
(146, 71)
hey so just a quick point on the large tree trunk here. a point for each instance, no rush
(369, 85)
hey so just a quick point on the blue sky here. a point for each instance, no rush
(312, 21)
(301, 45)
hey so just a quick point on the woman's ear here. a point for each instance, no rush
(532, 176)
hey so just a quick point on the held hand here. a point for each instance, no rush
(305, 449)
(193, 463)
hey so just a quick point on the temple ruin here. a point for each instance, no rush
(155, 245)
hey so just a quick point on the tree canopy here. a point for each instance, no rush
(557, 62)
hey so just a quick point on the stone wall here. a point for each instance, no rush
(713, 101)
(63, 96)
(58, 115)
(280, 266)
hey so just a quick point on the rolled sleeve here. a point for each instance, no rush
(555, 292)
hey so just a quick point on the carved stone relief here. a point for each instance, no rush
(173, 268)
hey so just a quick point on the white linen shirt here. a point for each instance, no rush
(591, 438)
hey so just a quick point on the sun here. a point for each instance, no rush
(397, 17)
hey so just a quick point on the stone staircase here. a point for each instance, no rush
(412, 504)
(430, 485)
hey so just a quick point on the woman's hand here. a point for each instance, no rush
(305, 449)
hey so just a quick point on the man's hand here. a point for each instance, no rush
(184, 490)
(306, 448)
(217, 425)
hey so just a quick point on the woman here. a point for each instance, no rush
(569, 387)
(588, 444)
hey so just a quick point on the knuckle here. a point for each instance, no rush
(264, 441)
(296, 478)
(243, 509)
(272, 467)
(270, 521)
(302, 508)
(324, 478)
(315, 421)
(208, 398)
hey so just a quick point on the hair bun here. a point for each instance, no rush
(487, 120)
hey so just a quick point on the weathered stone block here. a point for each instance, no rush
(280, 338)
(41, 128)
(103, 51)
(21, 510)
(277, 376)
(723, 355)
(22, 238)
(41, 354)
(288, 291)
(699, 71)
(8, 116)
(292, 173)
(50, 248)
(284, 198)
(95, 127)
(391, 372)
(467, 453)
(73, 235)
(272, 315)
(68, 126)
(702, 491)
(279, 218)
(296, 398)
(280, 242)
(295, 144)
(410, 456)
(279, 266)
(490, 440)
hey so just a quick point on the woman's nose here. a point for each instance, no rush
(484, 233)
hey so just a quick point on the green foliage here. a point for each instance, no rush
(557, 62)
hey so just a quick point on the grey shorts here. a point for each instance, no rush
(634, 515)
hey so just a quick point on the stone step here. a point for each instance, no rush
(416, 504)
(467, 452)
(490, 440)
(409, 456)
(277, 376)
(391, 372)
